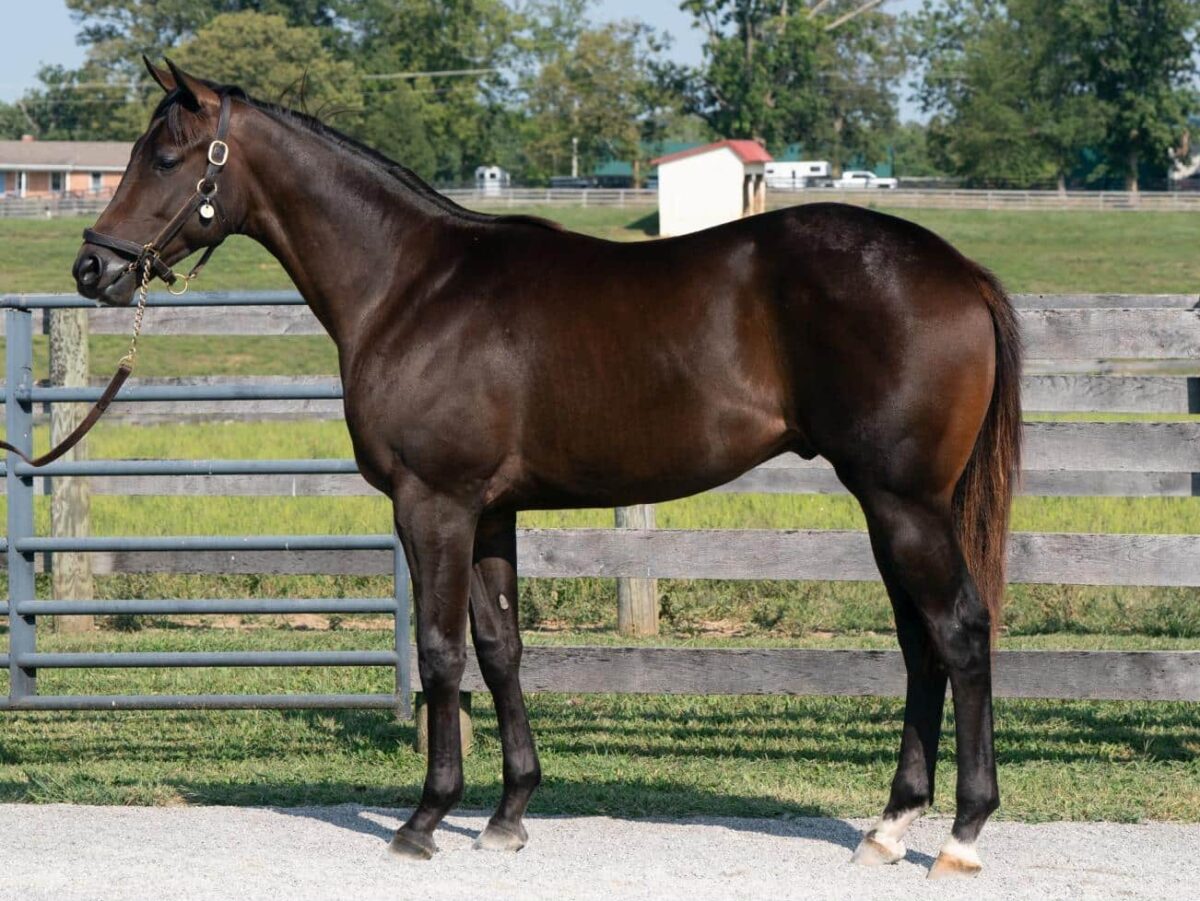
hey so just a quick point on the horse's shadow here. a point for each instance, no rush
(381, 822)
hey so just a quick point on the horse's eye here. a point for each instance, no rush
(166, 163)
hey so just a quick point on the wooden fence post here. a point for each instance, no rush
(637, 599)
(70, 501)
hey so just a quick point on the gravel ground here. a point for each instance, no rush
(190, 853)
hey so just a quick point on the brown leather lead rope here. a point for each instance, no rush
(122, 373)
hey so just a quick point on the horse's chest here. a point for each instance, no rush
(444, 433)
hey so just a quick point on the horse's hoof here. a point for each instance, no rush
(876, 851)
(501, 838)
(411, 845)
(956, 861)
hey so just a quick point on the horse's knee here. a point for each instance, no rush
(963, 634)
(499, 656)
(441, 663)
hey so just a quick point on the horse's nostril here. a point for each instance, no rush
(88, 269)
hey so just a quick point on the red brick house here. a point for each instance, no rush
(31, 168)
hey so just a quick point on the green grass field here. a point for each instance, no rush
(621, 755)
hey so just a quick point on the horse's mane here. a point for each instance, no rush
(182, 128)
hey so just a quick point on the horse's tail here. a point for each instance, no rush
(983, 496)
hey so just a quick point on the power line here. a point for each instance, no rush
(439, 73)
(853, 14)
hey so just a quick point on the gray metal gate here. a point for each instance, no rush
(23, 659)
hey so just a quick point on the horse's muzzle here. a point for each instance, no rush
(101, 275)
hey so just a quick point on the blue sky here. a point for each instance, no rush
(47, 34)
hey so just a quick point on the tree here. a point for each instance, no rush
(394, 124)
(117, 32)
(1140, 63)
(79, 104)
(1004, 84)
(13, 122)
(1020, 89)
(909, 146)
(760, 75)
(273, 61)
(464, 116)
(777, 74)
(857, 66)
(597, 90)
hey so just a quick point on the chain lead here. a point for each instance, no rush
(131, 356)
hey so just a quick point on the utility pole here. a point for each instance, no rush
(574, 157)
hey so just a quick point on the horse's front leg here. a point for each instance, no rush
(497, 636)
(438, 534)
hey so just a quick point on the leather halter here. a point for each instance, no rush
(146, 258)
(206, 193)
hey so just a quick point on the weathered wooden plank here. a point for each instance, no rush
(1078, 559)
(1102, 334)
(1112, 446)
(764, 480)
(1083, 675)
(339, 563)
(1119, 394)
(1106, 301)
(1047, 394)
(1089, 447)
(242, 320)
(1097, 453)
(1095, 333)
(1161, 368)
(1054, 558)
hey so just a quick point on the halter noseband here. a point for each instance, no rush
(204, 200)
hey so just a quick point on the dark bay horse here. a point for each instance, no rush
(480, 357)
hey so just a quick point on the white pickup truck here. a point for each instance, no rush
(856, 179)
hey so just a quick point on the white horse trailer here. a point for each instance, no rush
(796, 175)
(491, 180)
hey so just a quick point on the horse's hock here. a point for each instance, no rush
(1103, 354)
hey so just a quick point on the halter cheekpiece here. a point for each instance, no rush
(202, 202)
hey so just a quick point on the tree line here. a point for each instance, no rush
(1012, 92)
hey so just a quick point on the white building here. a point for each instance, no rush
(491, 179)
(708, 185)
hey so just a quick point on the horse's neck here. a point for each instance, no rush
(341, 226)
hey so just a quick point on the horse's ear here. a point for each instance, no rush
(163, 78)
(196, 94)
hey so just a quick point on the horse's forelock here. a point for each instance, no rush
(186, 127)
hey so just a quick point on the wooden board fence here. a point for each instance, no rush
(737, 554)
(1049, 334)
(1040, 393)
(1083, 675)
(1074, 342)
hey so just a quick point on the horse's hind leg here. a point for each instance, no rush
(912, 787)
(497, 638)
(915, 543)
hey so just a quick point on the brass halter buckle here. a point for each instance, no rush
(218, 153)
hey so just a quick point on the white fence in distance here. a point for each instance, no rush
(642, 198)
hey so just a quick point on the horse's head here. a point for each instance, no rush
(177, 195)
